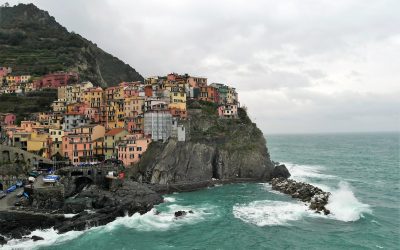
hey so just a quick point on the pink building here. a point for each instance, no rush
(5, 71)
(55, 80)
(8, 119)
(228, 111)
(131, 149)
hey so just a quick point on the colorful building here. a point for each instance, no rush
(55, 80)
(228, 111)
(111, 140)
(131, 149)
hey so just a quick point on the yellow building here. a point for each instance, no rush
(94, 97)
(38, 143)
(115, 114)
(10, 79)
(177, 98)
(111, 140)
(56, 138)
(133, 106)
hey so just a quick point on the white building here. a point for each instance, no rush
(73, 120)
(158, 124)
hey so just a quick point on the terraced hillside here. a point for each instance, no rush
(32, 42)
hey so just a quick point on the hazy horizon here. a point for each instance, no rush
(299, 67)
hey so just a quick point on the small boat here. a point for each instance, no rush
(11, 189)
(51, 178)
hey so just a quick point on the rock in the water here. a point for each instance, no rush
(305, 192)
(280, 171)
(180, 214)
(3, 240)
(191, 212)
(36, 238)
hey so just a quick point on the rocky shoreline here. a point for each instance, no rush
(96, 206)
(305, 192)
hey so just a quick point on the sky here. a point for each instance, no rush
(310, 66)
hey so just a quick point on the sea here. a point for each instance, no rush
(360, 170)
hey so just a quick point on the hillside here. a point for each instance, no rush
(32, 42)
(24, 106)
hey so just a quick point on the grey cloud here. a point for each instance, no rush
(289, 54)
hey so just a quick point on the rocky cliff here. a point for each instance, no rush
(222, 149)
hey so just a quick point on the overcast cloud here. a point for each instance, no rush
(299, 66)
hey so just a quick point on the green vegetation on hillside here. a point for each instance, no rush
(24, 106)
(32, 42)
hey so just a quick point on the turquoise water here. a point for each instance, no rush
(360, 170)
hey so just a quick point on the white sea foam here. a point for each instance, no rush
(151, 221)
(50, 236)
(268, 187)
(169, 199)
(271, 213)
(344, 205)
(146, 222)
(69, 215)
(305, 172)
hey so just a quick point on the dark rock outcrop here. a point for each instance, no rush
(3, 240)
(105, 206)
(179, 214)
(222, 149)
(280, 171)
(305, 192)
(36, 238)
(16, 224)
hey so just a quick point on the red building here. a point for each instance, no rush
(209, 94)
(58, 79)
(148, 91)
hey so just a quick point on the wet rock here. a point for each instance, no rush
(191, 212)
(3, 240)
(305, 192)
(180, 214)
(36, 238)
(104, 206)
(280, 171)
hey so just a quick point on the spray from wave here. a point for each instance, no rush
(344, 205)
(305, 172)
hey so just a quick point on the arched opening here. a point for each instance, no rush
(16, 157)
(81, 183)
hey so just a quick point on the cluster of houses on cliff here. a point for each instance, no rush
(16, 83)
(90, 124)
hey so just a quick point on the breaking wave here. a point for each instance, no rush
(271, 213)
(50, 236)
(150, 221)
(305, 172)
(344, 205)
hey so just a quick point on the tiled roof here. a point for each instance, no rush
(115, 131)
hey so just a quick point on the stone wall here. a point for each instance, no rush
(10, 155)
